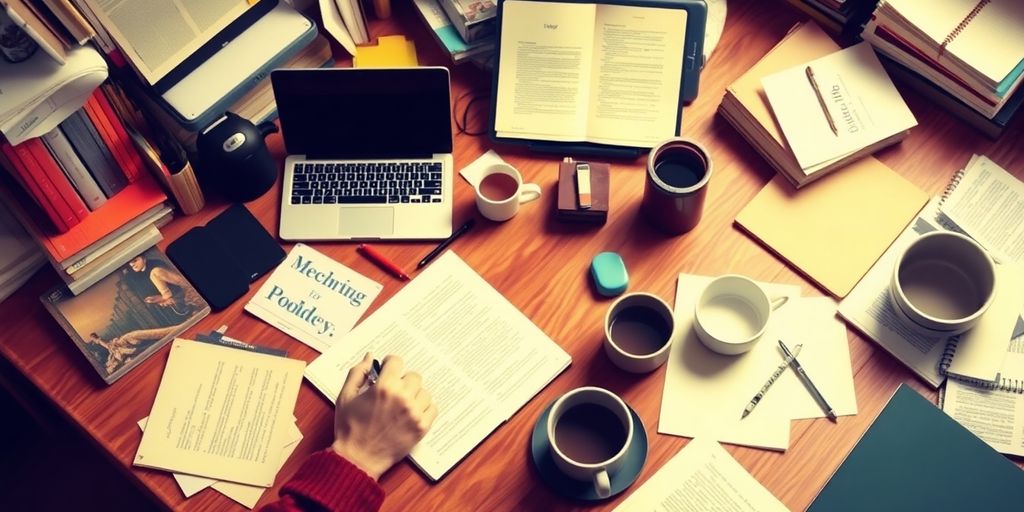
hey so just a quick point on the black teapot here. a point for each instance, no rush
(234, 158)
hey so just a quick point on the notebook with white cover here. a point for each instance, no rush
(863, 106)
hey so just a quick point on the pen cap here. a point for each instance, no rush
(678, 172)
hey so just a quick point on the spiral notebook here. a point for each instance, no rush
(986, 202)
(992, 411)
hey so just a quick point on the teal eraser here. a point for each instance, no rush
(609, 272)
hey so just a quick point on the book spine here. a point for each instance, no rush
(72, 20)
(53, 172)
(95, 156)
(119, 256)
(106, 133)
(134, 164)
(74, 169)
(28, 182)
(58, 203)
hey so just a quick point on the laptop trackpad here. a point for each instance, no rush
(366, 222)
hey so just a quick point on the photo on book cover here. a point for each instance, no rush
(125, 317)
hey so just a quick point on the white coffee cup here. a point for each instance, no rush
(943, 283)
(638, 355)
(732, 313)
(504, 208)
(598, 471)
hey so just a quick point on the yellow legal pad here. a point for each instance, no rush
(833, 230)
(390, 52)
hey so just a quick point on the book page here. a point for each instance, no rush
(637, 74)
(544, 69)
(221, 413)
(869, 307)
(988, 204)
(994, 415)
(156, 36)
(480, 358)
(702, 476)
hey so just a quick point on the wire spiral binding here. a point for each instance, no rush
(947, 354)
(1004, 384)
(954, 182)
(963, 25)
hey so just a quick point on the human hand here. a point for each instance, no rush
(377, 428)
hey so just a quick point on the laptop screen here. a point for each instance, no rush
(349, 113)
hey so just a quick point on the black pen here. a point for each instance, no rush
(829, 411)
(445, 243)
(374, 374)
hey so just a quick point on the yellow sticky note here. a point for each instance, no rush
(390, 52)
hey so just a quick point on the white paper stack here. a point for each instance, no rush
(705, 393)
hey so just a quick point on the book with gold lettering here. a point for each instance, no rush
(313, 298)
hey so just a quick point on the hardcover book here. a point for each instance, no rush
(127, 316)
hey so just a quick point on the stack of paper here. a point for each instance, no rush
(222, 418)
(775, 107)
(247, 495)
(972, 50)
(705, 392)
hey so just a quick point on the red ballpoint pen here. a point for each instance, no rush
(381, 261)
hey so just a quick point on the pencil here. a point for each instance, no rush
(821, 100)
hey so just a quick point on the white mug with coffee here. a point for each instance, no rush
(942, 283)
(501, 190)
(638, 332)
(590, 429)
(732, 313)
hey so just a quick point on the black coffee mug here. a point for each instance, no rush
(678, 171)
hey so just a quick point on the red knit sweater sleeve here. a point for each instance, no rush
(328, 482)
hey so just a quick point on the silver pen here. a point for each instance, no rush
(771, 380)
(829, 411)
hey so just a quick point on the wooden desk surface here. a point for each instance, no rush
(541, 267)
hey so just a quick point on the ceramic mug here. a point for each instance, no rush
(732, 313)
(590, 429)
(943, 283)
(678, 172)
(501, 190)
(638, 331)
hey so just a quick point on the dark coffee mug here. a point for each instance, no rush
(678, 171)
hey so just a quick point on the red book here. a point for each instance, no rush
(28, 182)
(52, 171)
(102, 124)
(136, 164)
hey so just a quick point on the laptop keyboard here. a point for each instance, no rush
(366, 183)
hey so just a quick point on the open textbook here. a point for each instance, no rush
(601, 73)
(481, 358)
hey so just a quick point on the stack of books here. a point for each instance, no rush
(84, 192)
(972, 51)
(837, 16)
(448, 36)
(810, 109)
(57, 26)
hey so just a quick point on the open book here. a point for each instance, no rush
(479, 356)
(607, 74)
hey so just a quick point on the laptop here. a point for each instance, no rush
(369, 153)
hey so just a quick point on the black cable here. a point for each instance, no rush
(462, 122)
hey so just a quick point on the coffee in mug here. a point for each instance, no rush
(498, 186)
(501, 190)
(590, 433)
(678, 171)
(638, 332)
(590, 430)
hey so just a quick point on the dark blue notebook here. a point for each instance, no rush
(915, 457)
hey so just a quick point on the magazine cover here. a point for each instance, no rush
(122, 319)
